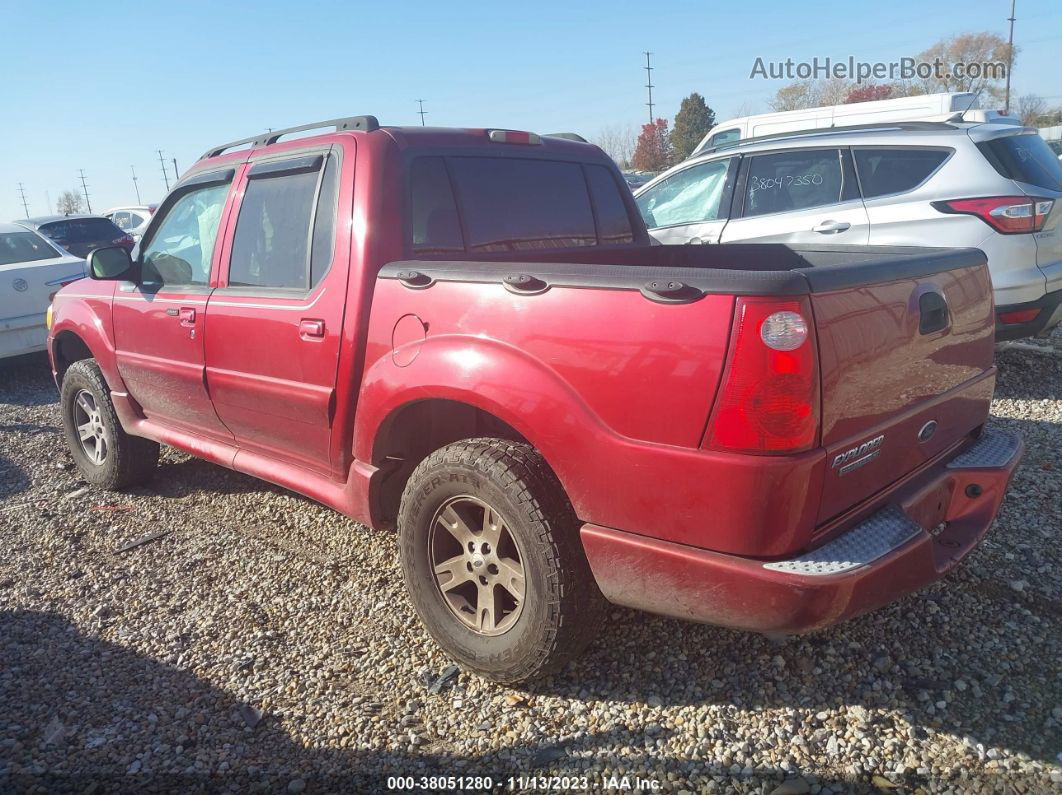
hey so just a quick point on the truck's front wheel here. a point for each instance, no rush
(492, 560)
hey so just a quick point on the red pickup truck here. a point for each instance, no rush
(468, 335)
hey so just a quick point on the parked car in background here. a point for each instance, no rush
(132, 220)
(79, 234)
(635, 179)
(996, 187)
(955, 106)
(32, 269)
(552, 410)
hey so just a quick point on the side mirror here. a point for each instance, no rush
(110, 264)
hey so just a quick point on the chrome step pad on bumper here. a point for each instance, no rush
(890, 527)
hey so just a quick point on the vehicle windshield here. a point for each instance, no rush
(24, 247)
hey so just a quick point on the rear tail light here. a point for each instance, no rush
(513, 137)
(769, 400)
(1009, 215)
(1019, 316)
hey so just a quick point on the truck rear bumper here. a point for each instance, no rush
(920, 535)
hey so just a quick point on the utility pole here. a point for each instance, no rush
(422, 112)
(135, 186)
(165, 176)
(649, 84)
(22, 193)
(84, 189)
(1010, 58)
(176, 176)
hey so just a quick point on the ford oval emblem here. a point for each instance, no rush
(927, 431)
(20, 285)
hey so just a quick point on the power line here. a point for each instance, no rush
(422, 112)
(135, 186)
(1010, 59)
(165, 176)
(84, 189)
(22, 193)
(649, 84)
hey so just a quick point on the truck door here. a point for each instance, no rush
(159, 322)
(275, 321)
(800, 197)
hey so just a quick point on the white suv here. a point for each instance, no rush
(996, 187)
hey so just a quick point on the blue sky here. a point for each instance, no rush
(103, 85)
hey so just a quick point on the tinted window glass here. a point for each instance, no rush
(517, 205)
(24, 247)
(1025, 158)
(436, 226)
(135, 220)
(795, 180)
(725, 137)
(613, 223)
(183, 244)
(690, 196)
(324, 224)
(272, 236)
(81, 230)
(885, 171)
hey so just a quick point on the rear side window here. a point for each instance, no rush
(1024, 158)
(887, 171)
(799, 179)
(24, 247)
(81, 230)
(485, 204)
(271, 246)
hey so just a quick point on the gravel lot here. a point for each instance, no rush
(265, 644)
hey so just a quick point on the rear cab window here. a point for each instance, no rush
(886, 171)
(1024, 158)
(461, 204)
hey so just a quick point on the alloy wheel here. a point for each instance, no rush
(90, 429)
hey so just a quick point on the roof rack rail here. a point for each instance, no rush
(942, 124)
(362, 123)
(567, 136)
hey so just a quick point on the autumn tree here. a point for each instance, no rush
(692, 123)
(869, 93)
(69, 202)
(653, 151)
(618, 141)
(811, 94)
(966, 48)
(1029, 108)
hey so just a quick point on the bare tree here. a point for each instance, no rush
(811, 94)
(70, 202)
(989, 51)
(618, 141)
(1030, 107)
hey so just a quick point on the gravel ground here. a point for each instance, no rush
(265, 644)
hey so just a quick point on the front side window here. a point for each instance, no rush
(693, 195)
(886, 171)
(272, 244)
(24, 247)
(795, 180)
(182, 247)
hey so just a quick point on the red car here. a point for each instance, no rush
(467, 335)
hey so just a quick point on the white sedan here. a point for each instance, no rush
(31, 270)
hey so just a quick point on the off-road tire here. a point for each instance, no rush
(562, 607)
(129, 460)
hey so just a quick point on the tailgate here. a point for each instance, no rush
(906, 373)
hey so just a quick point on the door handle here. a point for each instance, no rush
(187, 316)
(311, 329)
(831, 227)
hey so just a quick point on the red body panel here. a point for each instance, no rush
(613, 387)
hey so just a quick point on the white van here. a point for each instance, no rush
(925, 107)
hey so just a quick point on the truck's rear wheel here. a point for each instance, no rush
(104, 453)
(493, 562)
